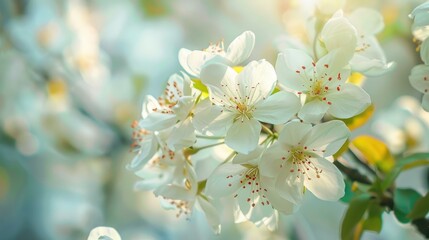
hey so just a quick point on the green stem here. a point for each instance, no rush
(267, 130)
(229, 157)
(208, 146)
(266, 139)
(314, 47)
(353, 174)
(358, 160)
(210, 137)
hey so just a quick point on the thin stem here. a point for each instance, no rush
(208, 146)
(210, 137)
(314, 47)
(267, 130)
(353, 174)
(232, 155)
(266, 139)
(358, 160)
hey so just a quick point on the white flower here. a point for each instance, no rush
(173, 109)
(183, 195)
(420, 17)
(238, 51)
(324, 84)
(255, 198)
(244, 99)
(354, 36)
(340, 35)
(163, 168)
(145, 144)
(419, 79)
(369, 58)
(104, 233)
(299, 159)
(424, 51)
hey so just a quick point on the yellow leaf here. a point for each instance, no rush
(374, 151)
(356, 78)
(359, 120)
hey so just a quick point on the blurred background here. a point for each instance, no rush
(72, 78)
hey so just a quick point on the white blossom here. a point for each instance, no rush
(243, 99)
(323, 83)
(300, 159)
(419, 79)
(237, 52)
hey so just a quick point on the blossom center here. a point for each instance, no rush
(318, 89)
(216, 48)
(300, 163)
(251, 190)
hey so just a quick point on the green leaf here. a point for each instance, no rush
(348, 195)
(409, 162)
(420, 209)
(276, 90)
(374, 221)
(200, 86)
(404, 199)
(354, 215)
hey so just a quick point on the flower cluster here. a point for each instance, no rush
(282, 125)
(419, 77)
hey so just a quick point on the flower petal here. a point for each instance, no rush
(225, 180)
(273, 159)
(183, 107)
(419, 78)
(153, 176)
(348, 102)
(425, 102)
(333, 65)
(313, 111)
(183, 60)
(370, 59)
(289, 67)
(290, 186)
(241, 48)
(252, 157)
(215, 73)
(275, 199)
(182, 135)
(270, 112)
(330, 185)
(196, 59)
(213, 121)
(211, 213)
(173, 191)
(243, 135)
(148, 148)
(104, 233)
(293, 132)
(324, 134)
(339, 33)
(154, 120)
(367, 21)
(256, 81)
(424, 51)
